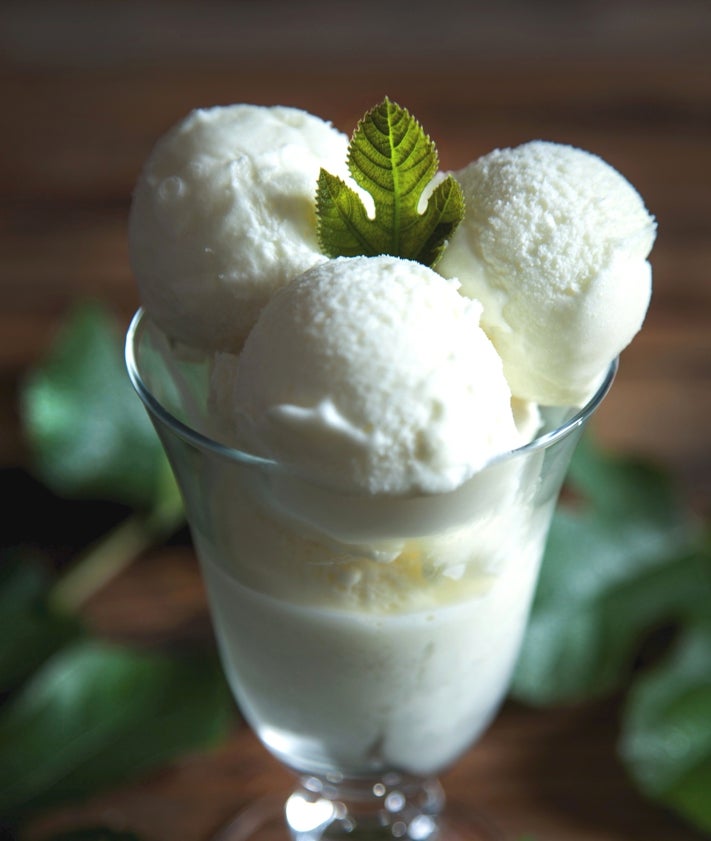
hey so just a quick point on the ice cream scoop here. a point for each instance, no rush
(554, 244)
(370, 576)
(372, 374)
(223, 215)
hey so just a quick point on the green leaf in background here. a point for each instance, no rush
(90, 434)
(620, 488)
(92, 438)
(666, 735)
(615, 567)
(96, 714)
(394, 161)
(31, 630)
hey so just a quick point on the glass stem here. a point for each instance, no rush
(394, 806)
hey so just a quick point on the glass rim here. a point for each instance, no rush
(205, 442)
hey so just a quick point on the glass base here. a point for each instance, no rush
(393, 809)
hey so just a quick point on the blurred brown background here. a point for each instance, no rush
(87, 87)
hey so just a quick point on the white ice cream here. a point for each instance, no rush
(223, 215)
(349, 663)
(372, 374)
(365, 633)
(370, 592)
(371, 575)
(554, 244)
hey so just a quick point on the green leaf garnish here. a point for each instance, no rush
(392, 159)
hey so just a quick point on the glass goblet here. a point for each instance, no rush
(368, 640)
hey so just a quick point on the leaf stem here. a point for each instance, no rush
(397, 187)
(109, 556)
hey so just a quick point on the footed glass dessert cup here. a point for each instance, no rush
(368, 640)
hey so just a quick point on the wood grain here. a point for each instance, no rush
(86, 90)
(551, 774)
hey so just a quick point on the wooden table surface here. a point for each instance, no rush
(86, 90)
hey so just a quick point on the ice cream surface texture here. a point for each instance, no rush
(554, 244)
(223, 215)
(371, 374)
